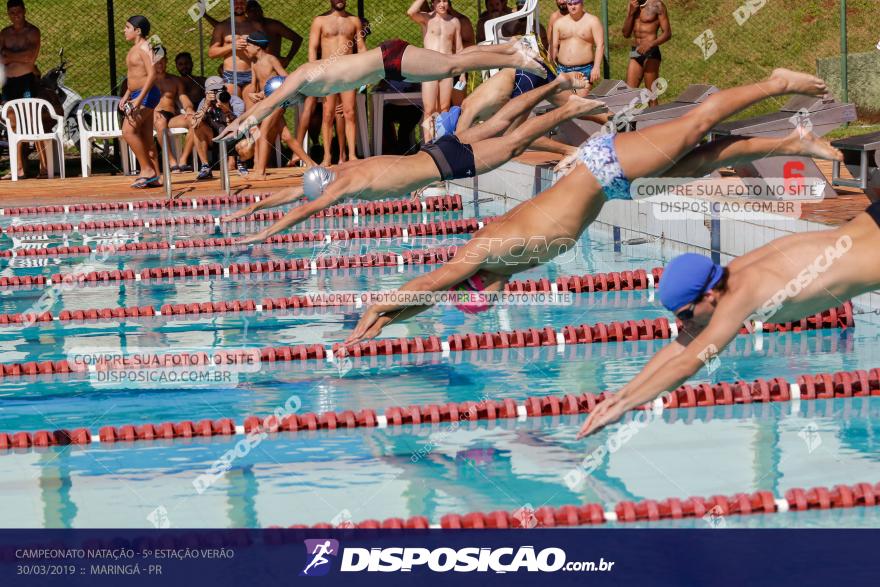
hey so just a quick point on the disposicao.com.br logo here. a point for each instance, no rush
(442, 560)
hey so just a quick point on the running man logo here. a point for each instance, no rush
(317, 552)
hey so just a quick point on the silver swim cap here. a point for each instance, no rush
(316, 180)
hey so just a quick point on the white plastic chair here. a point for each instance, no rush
(492, 28)
(529, 11)
(29, 127)
(103, 123)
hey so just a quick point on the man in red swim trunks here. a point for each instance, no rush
(393, 60)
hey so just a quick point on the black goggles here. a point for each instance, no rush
(688, 312)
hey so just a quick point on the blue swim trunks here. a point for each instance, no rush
(242, 77)
(151, 100)
(525, 81)
(447, 122)
(600, 158)
(584, 69)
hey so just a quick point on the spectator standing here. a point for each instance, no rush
(645, 19)
(19, 49)
(442, 33)
(221, 47)
(140, 99)
(333, 35)
(494, 9)
(578, 43)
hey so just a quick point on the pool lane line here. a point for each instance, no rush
(157, 204)
(404, 232)
(631, 330)
(843, 384)
(712, 510)
(639, 279)
(384, 207)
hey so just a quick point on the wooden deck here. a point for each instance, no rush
(107, 188)
(116, 188)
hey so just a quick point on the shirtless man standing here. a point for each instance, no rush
(221, 47)
(141, 97)
(561, 10)
(644, 21)
(166, 113)
(333, 35)
(442, 33)
(578, 43)
(19, 48)
(468, 39)
(277, 32)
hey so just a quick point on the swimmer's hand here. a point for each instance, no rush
(251, 240)
(369, 326)
(609, 411)
(567, 164)
(231, 133)
(246, 211)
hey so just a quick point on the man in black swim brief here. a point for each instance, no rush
(477, 150)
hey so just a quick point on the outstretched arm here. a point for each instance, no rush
(287, 92)
(679, 367)
(285, 196)
(300, 213)
(467, 261)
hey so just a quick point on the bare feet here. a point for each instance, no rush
(795, 82)
(806, 144)
(527, 58)
(585, 106)
(572, 81)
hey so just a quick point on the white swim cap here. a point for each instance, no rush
(316, 180)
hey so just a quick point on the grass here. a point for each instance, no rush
(790, 34)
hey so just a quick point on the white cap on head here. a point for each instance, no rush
(316, 180)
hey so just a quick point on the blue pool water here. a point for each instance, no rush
(404, 471)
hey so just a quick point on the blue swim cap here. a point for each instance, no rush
(272, 84)
(316, 180)
(684, 277)
(446, 122)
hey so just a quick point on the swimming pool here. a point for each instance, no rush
(400, 471)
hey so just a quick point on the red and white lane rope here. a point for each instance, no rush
(631, 330)
(157, 204)
(405, 206)
(844, 384)
(649, 510)
(194, 203)
(406, 231)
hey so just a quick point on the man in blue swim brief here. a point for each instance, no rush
(549, 224)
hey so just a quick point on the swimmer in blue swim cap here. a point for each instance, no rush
(477, 150)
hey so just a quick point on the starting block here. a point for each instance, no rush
(689, 99)
(861, 155)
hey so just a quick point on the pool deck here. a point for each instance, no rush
(115, 188)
